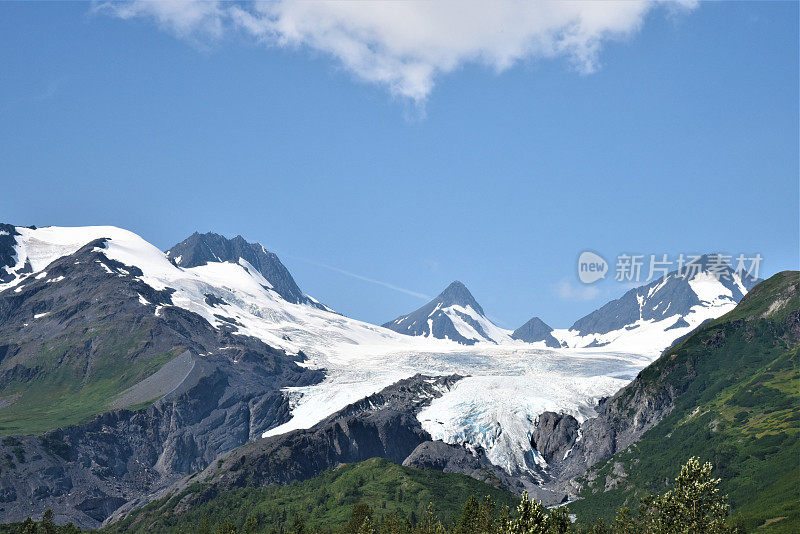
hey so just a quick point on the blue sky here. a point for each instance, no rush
(680, 137)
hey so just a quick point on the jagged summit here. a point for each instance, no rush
(454, 314)
(657, 313)
(458, 294)
(201, 249)
(536, 330)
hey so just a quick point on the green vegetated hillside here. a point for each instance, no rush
(323, 501)
(75, 375)
(740, 410)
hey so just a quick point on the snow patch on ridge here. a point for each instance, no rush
(651, 336)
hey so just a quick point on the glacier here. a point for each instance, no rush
(506, 384)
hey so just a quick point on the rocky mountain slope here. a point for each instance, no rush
(727, 393)
(535, 331)
(652, 316)
(83, 335)
(324, 502)
(383, 425)
(123, 368)
(454, 314)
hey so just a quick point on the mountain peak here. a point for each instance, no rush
(200, 249)
(679, 301)
(454, 314)
(457, 294)
(536, 330)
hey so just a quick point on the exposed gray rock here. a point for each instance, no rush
(536, 330)
(163, 382)
(621, 421)
(554, 435)
(8, 257)
(229, 393)
(382, 425)
(440, 456)
(199, 249)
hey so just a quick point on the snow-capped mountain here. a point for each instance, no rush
(229, 292)
(651, 317)
(240, 289)
(535, 331)
(453, 314)
(201, 249)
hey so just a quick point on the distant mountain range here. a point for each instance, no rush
(647, 318)
(536, 330)
(124, 368)
(665, 309)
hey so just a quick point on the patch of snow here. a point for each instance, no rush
(492, 332)
(104, 266)
(646, 336)
(709, 289)
(737, 279)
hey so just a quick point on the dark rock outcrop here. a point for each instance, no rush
(554, 435)
(536, 330)
(382, 425)
(7, 252)
(441, 456)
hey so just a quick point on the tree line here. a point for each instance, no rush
(693, 506)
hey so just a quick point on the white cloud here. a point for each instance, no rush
(184, 18)
(566, 290)
(406, 45)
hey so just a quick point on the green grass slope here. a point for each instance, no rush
(68, 386)
(740, 410)
(323, 501)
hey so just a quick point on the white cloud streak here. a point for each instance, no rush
(405, 46)
(422, 296)
(393, 287)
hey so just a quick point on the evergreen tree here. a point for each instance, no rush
(227, 528)
(361, 512)
(430, 524)
(531, 517)
(366, 526)
(470, 521)
(693, 506)
(251, 525)
(28, 526)
(48, 522)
